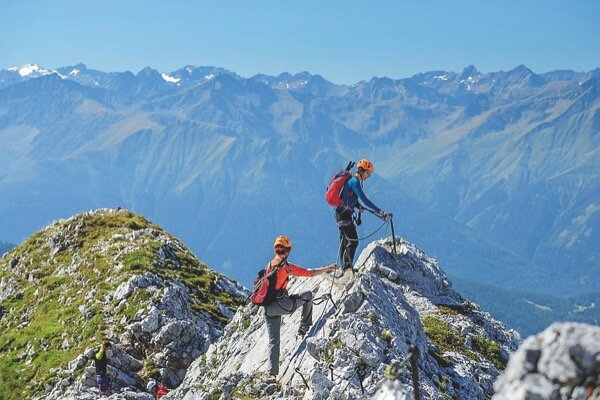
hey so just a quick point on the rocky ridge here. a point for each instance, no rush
(561, 363)
(105, 273)
(395, 302)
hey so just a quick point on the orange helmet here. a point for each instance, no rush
(283, 240)
(365, 164)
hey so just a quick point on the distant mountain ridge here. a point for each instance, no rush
(494, 173)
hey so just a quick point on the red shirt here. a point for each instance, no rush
(284, 272)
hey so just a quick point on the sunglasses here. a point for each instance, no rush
(281, 250)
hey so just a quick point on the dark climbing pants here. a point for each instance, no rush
(103, 382)
(274, 311)
(348, 237)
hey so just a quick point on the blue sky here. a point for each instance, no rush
(344, 41)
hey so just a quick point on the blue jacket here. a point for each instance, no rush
(352, 192)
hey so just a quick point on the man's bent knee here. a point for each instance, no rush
(307, 296)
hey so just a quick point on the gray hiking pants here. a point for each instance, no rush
(274, 311)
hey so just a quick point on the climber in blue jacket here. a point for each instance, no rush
(351, 194)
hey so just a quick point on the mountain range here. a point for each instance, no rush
(496, 174)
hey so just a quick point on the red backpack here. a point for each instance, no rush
(334, 190)
(264, 292)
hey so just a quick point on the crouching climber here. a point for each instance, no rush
(158, 390)
(271, 292)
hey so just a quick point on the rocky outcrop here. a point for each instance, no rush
(108, 274)
(395, 302)
(561, 363)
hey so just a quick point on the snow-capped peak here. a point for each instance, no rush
(74, 72)
(30, 69)
(170, 78)
(34, 71)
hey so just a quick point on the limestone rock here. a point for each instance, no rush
(116, 275)
(562, 362)
(376, 319)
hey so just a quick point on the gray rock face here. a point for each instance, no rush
(563, 362)
(172, 334)
(154, 317)
(378, 314)
(137, 281)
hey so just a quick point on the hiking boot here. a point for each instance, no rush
(348, 267)
(302, 331)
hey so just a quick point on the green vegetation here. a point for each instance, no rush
(202, 362)
(246, 323)
(216, 395)
(332, 345)
(444, 380)
(373, 318)
(449, 310)
(91, 257)
(141, 258)
(386, 336)
(445, 339)
(465, 308)
(129, 308)
(150, 370)
(490, 350)
(244, 390)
